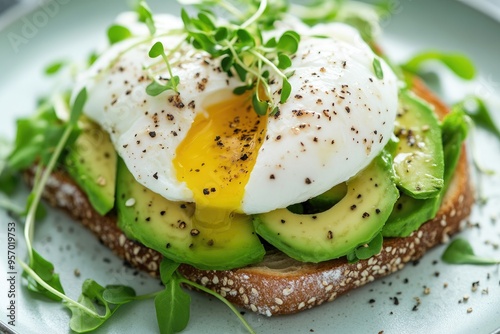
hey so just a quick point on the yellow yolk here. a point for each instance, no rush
(218, 154)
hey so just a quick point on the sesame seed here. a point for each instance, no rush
(101, 181)
(136, 250)
(130, 202)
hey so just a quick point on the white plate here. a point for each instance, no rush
(71, 29)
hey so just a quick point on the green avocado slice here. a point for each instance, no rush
(169, 228)
(355, 220)
(91, 162)
(410, 213)
(418, 162)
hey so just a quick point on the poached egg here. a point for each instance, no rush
(208, 146)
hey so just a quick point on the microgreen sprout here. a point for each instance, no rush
(42, 268)
(146, 16)
(39, 272)
(460, 251)
(155, 88)
(172, 304)
(86, 315)
(240, 47)
(377, 68)
(39, 186)
(458, 63)
(476, 109)
(118, 33)
(54, 67)
(245, 54)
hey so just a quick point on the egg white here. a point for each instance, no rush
(338, 118)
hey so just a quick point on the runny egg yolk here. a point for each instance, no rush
(217, 156)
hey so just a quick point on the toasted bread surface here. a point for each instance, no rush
(279, 284)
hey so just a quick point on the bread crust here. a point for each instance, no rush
(279, 284)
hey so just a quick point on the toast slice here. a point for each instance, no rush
(279, 284)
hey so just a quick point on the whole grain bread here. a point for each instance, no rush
(279, 284)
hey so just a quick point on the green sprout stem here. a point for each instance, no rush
(147, 39)
(240, 62)
(231, 9)
(169, 68)
(68, 300)
(273, 67)
(268, 63)
(256, 15)
(169, 54)
(148, 295)
(264, 84)
(29, 227)
(222, 299)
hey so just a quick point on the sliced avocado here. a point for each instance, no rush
(419, 156)
(169, 228)
(321, 202)
(354, 221)
(91, 162)
(329, 198)
(410, 213)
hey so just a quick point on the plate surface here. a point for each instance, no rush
(72, 29)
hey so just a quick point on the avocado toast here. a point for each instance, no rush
(279, 284)
(369, 197)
